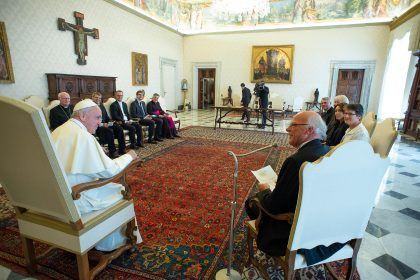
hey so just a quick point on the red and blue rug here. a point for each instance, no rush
(182, 200)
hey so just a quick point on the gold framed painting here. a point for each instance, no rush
(6, 69)
(273, 64)
(139, 69)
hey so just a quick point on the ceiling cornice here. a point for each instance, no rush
(410, 13)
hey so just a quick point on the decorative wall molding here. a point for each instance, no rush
(367, 65)
(410, 13)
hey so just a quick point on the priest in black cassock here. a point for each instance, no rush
(62, 112)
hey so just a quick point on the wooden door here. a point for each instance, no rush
(206, 88)
(412, 116)
(350, 83)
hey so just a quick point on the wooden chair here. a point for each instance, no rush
(47, 110)
(383, 137)
(35, 100)
(36, 185)
(329, 211)
(369, 121)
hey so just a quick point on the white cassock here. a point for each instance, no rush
(84, 160)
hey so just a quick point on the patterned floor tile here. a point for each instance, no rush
(394, 266)
(375, 230)
(411, 213)
(409, 174)
(397, 195)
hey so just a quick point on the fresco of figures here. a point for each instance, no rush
(215, 15)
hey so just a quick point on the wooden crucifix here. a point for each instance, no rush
(80, 35)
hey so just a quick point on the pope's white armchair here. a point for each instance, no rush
(329, 211)
(37, 187)
(174, 113)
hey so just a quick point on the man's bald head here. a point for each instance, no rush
(306, 126)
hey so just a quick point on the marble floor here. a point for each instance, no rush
(391, 245)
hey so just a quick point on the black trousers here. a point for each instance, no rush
(107, 134)
(245, 114)
(133, 130)
(152, 131)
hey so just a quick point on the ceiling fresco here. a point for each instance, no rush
(200, 16)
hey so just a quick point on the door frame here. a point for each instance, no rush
(163, 61)
(367, 65)
(204, 65)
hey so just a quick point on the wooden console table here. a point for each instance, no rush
(223, 111)
(80, 87)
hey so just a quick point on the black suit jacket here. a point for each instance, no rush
(59, 115)
(328, 116)
(152, 107)
(273, 235)
(246, 96)
(263, 95)
(117, 114)
(105, 117)
(138, 110)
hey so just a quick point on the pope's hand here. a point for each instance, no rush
(263, 186)
(133, 154)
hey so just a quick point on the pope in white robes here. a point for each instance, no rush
(84, 160)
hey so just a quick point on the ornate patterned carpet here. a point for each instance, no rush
(182, 200)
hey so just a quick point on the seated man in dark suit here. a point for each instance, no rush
(108, 130)
(119, 113)
(327, 111)
(306, 131)
(154, 109)
(62, 112)
(138, 110)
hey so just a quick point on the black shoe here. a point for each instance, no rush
(176, 135)
(170, 137)
(159, 139)
(151, 141)
(261, 126)
(122, 152)
(139, 145)
(133, 147)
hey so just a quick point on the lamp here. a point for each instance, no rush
(229, 273)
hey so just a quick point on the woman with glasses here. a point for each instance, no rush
(338, 128)
(353, 114)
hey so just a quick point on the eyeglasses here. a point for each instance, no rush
(297, 124)
(349, 114)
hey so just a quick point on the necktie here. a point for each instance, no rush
(141, 107)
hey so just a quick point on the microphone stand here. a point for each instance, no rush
(229, 273)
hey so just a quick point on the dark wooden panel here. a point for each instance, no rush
(79, 86)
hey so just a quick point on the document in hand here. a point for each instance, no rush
(266, 175)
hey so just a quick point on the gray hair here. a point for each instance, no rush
(326, 98)
(341, 99)
(61, 94)
(318, 124)
(156, 95)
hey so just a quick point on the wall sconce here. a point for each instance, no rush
(184, 84)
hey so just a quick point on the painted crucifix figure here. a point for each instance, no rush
(80, 35)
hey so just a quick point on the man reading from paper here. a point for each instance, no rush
(84, 160)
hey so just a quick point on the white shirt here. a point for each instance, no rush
(122, 110)
(357, 133)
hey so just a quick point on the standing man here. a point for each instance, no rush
(108, 130)
(62, 112)
(327, 110)
(119, 113)
(138, 110)
(262, 93)
(84, 160)
(246, 98)
(305, 133)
